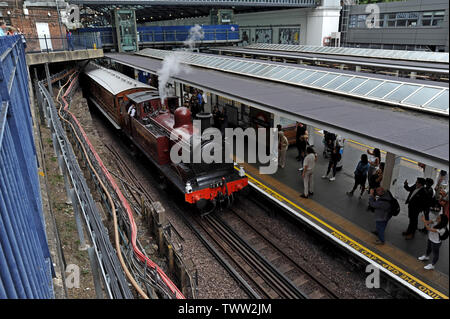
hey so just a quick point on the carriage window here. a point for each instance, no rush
(146, 107)
(122, 105)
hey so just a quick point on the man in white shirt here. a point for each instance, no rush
(308, 169)
(436, 229)
(283, 145)
(132, 110)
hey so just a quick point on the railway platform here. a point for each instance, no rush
(347, 222)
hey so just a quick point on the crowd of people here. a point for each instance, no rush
(10, 30)
(195, 102)
(423, 199)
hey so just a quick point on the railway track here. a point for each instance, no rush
(303, 278)
(259, 275)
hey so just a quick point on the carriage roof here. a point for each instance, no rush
(113, 81)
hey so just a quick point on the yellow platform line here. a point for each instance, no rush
(348, 238)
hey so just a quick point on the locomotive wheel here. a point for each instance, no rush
(209, 208)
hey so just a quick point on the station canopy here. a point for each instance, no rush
(424, 56)
(432, 98)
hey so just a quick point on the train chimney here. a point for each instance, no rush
(206, 120)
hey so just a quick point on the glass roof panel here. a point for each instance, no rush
(402, 92)
(209, 61)
(251, 68)
(227, 64)
(313, 78)
(337, 82)
(363, 86)
(384, 89)
(302, 75)
(440, 102)
(327, 78)
(247, 67)
(367, 87)
(282, 73)
(268, 71)
(422, 96)
(298, 76)
(268, 68)
(220, 63)
(274, 71)
(350, 85)
(289, 76)
(442, 57)
(258, 68)
(238, 66)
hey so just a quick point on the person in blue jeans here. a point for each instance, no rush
(360, 175)
(380, 201)
(436, 229)
(69, 40)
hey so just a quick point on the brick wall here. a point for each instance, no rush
(27, 24)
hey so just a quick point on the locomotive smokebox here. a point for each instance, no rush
(206, 120)
(182, 116)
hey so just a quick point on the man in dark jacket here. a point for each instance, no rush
(381, 203)
(300, 143)
(429, 201)
(416, 202)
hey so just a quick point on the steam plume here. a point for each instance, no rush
(195, 34)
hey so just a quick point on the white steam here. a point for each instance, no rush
(171, 66)
(195, 34)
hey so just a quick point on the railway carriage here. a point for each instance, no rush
(205, 185)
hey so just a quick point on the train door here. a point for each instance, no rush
(126, 115)
(43, 32)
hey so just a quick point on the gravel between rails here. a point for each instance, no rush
(213, 280)
(313, 255)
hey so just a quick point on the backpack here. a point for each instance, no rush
(394, 209)
(445, 235)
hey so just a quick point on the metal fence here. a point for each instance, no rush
(76, 42)
(106, 271)
(25, 263)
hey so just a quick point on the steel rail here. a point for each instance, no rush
(220, 258)
(278, 282)
(280, 250)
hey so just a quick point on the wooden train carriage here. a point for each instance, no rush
(108, 89)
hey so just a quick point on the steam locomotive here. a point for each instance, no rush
(152, 130)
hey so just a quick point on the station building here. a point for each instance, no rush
(402, 25)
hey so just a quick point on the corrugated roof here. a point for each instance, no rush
(115, 82)
(429, 96)
(442, 57)
(419, 136)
